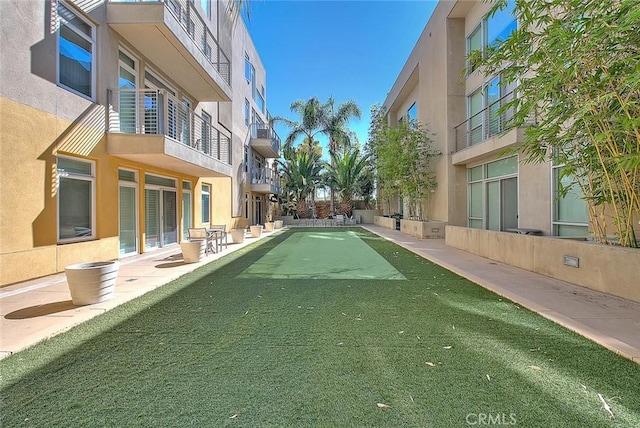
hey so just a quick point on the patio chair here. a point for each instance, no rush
(196, 233)
(221, 235)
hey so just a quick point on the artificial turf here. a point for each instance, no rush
(218, 348)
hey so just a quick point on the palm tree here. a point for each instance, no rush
(335, 123)
(347, 174)
(301, 174)
(335, 128)
(311, 122)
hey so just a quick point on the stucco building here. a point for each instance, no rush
(124, 123)
(489, 196)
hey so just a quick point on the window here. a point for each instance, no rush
(475, 209)
(570, 215)
(128, 82)
(76, 53)
(250, 75)
(246, 206)
(76, 199)
(260, 102)
(483, 107)
(475, 106)
(246, 112)
(412, 113)
(500, 26)
(492, 31)
(474, 43)
(253, 82)
(254, 117)
(206, 7)
(186, 207)
(206, 203)
(246, 158)
(247, 68)
(128, 211)
(493, 195)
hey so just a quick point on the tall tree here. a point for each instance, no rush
(310, 124)
(335, 127)
(403, 156)
(576, 63)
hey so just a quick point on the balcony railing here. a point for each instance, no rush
(265, 175)
(194, 25)
(263, 131)
(485, 124)
(156, 112)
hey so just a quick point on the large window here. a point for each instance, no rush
(570, 215)
(206, 203)
(76, 53)
(128, 211)
(499, 27)
(492, 31)
(246, 112)
(484, 110)
(493, 195)
(76, 199)
(128, 83)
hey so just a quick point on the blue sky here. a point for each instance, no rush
(345, 49)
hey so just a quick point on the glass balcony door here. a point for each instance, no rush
(161, 218)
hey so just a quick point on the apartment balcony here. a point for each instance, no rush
(264, 140)
(487, 133)
(264, 180)
(175, 38)
(154, 128)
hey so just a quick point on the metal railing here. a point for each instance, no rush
(266, 132)
(194, 25)
(156, 112)
(485, 124)
(265, 175)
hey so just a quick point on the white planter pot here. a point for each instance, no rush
(92, 282)
(278, 224)
(237, 235)
(193, 251)
(256, 231)
(268, 226)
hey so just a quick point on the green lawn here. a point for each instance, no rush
(250, 340)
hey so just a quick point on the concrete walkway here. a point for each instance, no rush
(36, 310)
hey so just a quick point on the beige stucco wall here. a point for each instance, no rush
(430, 77)
(423, 229)
(388, 222)
(609, 269)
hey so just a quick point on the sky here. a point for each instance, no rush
(351, 50)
